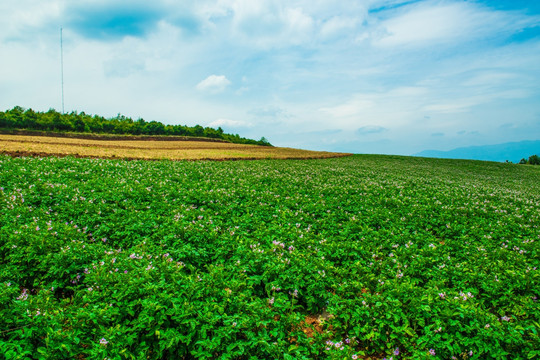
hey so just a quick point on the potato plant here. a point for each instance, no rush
(349, 258)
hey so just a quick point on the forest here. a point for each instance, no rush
(80, 122)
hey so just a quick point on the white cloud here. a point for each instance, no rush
(269, 111)
(490, 78)
(353, 107)
(214, 84)
(391, 107)
(449, 107)
(286, 70)
(338, 25)
(299, 25)
(426, 23)
(269, 24)
(459, 104)
(21, 19)
(228, 123)
(371, 129)
(438, 23)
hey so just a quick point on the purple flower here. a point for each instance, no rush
(432, 352)
(24, 295)
(103, 342)
(396, 352)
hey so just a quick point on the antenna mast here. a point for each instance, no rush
(62, 65)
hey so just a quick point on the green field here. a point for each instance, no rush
(357, 257)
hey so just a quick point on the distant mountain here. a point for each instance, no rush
(512, 151)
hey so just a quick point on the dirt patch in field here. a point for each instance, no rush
(201, 146)
(21, 145)
(114, 157)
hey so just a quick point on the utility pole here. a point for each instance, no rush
(62, 67)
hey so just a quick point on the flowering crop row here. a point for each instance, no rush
(350, 258)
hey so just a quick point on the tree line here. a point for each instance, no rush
(533, 160)
(52, 120)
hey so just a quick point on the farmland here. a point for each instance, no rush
(354, 257)
(126, 148)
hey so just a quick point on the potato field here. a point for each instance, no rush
(360, 257)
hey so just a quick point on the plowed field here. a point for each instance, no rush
(23, 145)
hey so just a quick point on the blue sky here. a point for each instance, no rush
(374, 76)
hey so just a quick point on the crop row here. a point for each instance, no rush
(366, 256)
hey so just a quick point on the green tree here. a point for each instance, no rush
(79, 125)
(534, 160)
(154, 128)
(264, 142)
(198, 130)
(3, 120)
(15, 117)
(30, 119)
(52, 120)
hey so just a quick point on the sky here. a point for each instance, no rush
(360, 76)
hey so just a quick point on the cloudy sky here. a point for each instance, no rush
(364, 76)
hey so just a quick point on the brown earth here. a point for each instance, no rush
(137, 149)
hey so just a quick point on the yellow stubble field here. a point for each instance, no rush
(24, 145)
